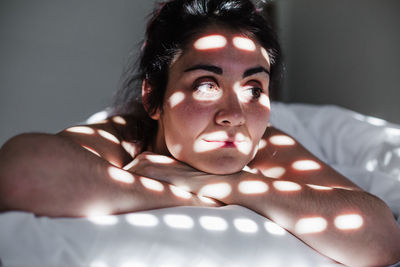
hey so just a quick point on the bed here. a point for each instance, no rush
(365, 149)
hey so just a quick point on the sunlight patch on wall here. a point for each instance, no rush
(142, 219)
(178, 221)
(310, 225)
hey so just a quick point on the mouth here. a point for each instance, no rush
(224, 143)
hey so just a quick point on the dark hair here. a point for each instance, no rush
(170, 28)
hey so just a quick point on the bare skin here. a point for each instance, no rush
(97, 169)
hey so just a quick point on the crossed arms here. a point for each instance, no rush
(89, 170)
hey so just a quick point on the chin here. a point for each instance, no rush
(220, 167)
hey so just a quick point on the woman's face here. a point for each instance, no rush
(216, 106)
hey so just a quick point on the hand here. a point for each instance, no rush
(172, 171)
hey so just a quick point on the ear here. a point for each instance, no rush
(146, 90)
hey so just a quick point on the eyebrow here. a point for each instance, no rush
(219, 71)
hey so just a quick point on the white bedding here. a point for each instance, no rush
(364, 149)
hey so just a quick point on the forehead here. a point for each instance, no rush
(222, 46)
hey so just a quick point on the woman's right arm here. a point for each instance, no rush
(78, 173)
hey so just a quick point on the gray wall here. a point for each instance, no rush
(60, 61)
(344, 52)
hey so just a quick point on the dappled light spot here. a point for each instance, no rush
(371, 120)
(245, 225)
(311, 225)
(349, 222)
(80, 130)
(262, 144)
(306, 165)
(119, 120)
(392, 132)
(152, 184)
(130, 148)
(205, 263)
(243, 144)
(179, 192)
(142, 219)
(97, 210)
(120, 175)
(159, 159)
(273, 228)
(286, 186)
(371, 165)
(98, 263)
(319, 187)
(213, 223)
(175, 99)
(91, 150)
(98, 117)
(388, 156)
(218, 190)
(274, 172)
(265, 55)
(131, 164)
(244, 43)
(249, 170)
(253, 187)
(178, 221)
(108, 136)
(281, 140)
(207, 200)
(264, 101)
(210, 42)
(104, 219)
(133, 264)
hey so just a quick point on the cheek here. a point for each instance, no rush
(183, 123)
(257, 122)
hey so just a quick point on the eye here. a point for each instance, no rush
(252, 93)
(206, 90)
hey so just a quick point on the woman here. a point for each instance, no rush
(205, 71)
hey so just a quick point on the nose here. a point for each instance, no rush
(230, 112)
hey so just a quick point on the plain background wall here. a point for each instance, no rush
(343, 52)
(60, 61)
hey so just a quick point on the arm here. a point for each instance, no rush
(56, 175)
(319, 206)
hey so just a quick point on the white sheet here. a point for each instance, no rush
(238, 236)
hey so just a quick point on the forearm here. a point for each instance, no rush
(318, 217)
(53, 176)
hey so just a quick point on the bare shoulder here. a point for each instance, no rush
(111, 139)
(282, 156)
